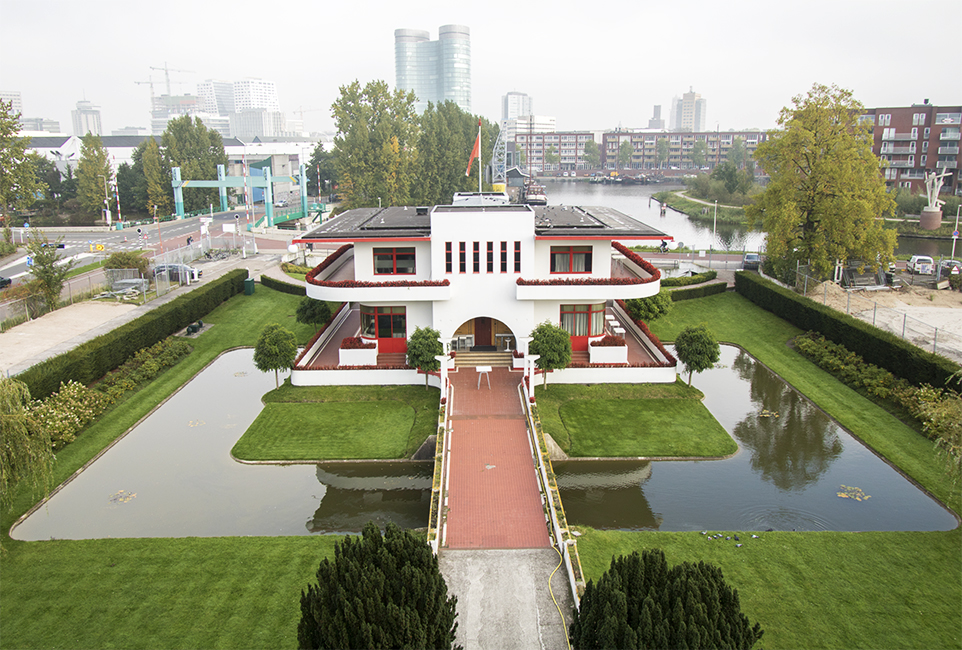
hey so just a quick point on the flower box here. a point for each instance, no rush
(517, 362)
(608, 353)
(357, 356)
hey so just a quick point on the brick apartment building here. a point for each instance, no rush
(645, 145)
(570, 145)
(915, 139)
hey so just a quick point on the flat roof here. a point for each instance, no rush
(562, 221)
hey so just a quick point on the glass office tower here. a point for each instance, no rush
(435, 71)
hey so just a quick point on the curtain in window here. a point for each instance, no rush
(568, 323)
(559, 262)
(597, 321)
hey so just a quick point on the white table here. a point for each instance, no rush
(486, 372)
(620, 331)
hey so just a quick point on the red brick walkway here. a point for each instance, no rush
(493, 497)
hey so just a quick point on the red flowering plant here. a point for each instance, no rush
(356, 343)
(610, 341)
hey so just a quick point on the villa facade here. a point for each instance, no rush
(483, 273)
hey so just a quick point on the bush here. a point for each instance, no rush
(378, 592)
(128, 260)
(283, 287)
(648, 309)
(876, 346)
(610, 341)
(65, 413)
(685, 280)
(640, 603)
(698, 292)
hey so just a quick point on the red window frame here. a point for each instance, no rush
(571, 251)
(517, 257)
(490, 257)
(448, 258)
(504, 257)
(477, 257)
(394, 253)
(463, 257)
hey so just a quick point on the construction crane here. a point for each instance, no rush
(303, 110)
(151, 84)
(167, 74)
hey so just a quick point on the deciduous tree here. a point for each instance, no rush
(378, 592)
(26, 454)
(826, 198)
(697, 348)
(648, 309)
(197, 150)
(94, 174)
(737, 154)
(592, 155)
(697, 154)
(553, 344)
(312, 312)
(552, 157)
(661, 151)
(625, 150)
(18, 178)
(276, 350)
(641, 603)
(157, 189)
(373, 148)
(47, 267)
(423, 346)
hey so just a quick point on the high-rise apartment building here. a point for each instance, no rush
(435, 71)
(86, 119)
(688, 113)
(216, 97)
(514, 105)
(12, 97)
(656, 122)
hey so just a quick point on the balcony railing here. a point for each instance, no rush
(946, 164)
(897, 150)
(897, 136)
(949, 136)
(912, 174)
(901, 164)
(948, 150)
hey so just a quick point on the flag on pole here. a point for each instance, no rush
(475, 151)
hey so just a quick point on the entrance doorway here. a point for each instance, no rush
(484, 334)
(482, 331)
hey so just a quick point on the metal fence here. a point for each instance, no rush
(910, 328)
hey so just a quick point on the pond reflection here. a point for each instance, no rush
(787, 474)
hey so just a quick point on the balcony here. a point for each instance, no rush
(953, 151)
(949, 135)
(897, 136)
(912, 174)
(631, 277)
(947, 164)
(897, 150)
(900, 164)
(334, 281)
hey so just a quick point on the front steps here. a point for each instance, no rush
(493, 359)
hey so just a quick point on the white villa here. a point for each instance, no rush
(483, 273)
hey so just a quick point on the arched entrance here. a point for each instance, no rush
(484, 334)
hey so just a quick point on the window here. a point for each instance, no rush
(383, 322)
(583, 320)
(490, 257)
(448, 258)
(517, 257)
(463, 257)
(394, 261)
(504, 257)
(571, 259)
(477, 257)
(928, 131)
(915, 133)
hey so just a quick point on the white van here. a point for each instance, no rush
(922, 264)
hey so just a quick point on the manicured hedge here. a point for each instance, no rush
(686, 280)
(698, 292)
(876, 346)
(283, 287)
(92, 360)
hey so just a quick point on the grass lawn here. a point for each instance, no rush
(327, 431)
(644, 427)
(822, 589)
(631, 420)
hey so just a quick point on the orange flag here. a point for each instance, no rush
(475, 151)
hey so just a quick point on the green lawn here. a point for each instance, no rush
(822, 590)
(613, 420)
(327, 431)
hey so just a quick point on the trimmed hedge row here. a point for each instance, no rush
(876, 346)
(698, 292)
(686, 280)
(283, 287)
(92, 360)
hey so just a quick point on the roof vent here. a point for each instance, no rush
(421, 210)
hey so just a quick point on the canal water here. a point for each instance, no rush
(172, 476)
(636, 202)
(796, 469)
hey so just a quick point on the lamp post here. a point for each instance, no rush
(955, 233)
(714, 225)
(159, 238)
(106, 200)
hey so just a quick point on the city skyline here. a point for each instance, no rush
(589, 71)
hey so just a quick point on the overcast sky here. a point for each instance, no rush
(591, 65)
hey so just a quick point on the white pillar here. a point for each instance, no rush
(443, 359)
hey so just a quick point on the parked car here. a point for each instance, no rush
(948, 265)
(921, 264)
(5, 282)
(751, 261)
(178, 272)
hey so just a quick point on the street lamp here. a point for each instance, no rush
(714, 225)
(955, 234)
(106, 200)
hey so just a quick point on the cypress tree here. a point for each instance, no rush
(641, 603)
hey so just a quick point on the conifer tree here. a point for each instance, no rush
(378, 592)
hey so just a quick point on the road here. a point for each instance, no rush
(168, 235)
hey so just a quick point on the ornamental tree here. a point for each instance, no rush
(826, 198)
(276, 349)
(50, 271)
(312, 312)
(650, 308)
(553, 344)
(423, 346)
(26, 453)
(697, 348)
(640, 603)
(378, 592)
